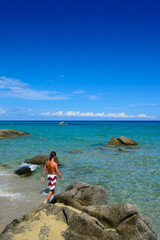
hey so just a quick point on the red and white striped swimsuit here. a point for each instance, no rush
(52, 181)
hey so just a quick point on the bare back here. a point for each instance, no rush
(51, 166)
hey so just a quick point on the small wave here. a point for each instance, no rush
(8, 195)
(6, 174)
(31, 166)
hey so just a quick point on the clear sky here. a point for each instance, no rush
(80, 60)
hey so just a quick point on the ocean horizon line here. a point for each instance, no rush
(79, 120)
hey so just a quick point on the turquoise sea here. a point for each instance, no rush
(132, 176)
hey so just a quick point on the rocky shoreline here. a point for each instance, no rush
(82, 212)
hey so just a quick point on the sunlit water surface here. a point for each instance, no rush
(132, 176)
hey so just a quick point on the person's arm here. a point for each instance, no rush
(44, 170)
(58, 172)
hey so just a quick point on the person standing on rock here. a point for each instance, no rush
(52, 168)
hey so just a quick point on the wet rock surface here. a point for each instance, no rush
(24, 171)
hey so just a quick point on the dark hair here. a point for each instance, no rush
(52, 155)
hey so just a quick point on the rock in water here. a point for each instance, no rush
(122, 141)
(40, 159)
(75, 151)
(61, 123)
(122, 150)
(24, 171)
(127, 141)
(11, 133)
(3, 165)
(114, 141)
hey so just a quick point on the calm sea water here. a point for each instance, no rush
(132, 176)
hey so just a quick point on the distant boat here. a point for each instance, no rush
(61, 123)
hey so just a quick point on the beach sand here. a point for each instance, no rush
(42, 227)
(10, 211)
(18, 198)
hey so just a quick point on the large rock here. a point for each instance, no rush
(11, 133)
(123, 221)
(80, 194)
(122, 141)
(40, 159)
(127, 141)
(24, 171)
(58, 222)
(94, 221)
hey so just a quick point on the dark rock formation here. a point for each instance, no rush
(24, 171)
(94, 221)
(122, 141)
(40, 159)
(11, 133)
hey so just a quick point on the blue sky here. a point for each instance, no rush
(80, 60)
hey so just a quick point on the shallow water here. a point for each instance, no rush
(132, 176)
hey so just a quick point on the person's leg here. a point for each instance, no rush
(48, 196)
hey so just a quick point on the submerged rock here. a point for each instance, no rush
(11, 133)
(24, 171)
(3, 165)
(122, 141)
(75, 151)
(94, 220)
(40, 159)
(123, 150)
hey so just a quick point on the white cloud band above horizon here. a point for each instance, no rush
(92, 114)
(10, 87)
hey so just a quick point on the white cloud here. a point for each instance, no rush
(79, 92)
(60, 77)
(111, 108)
(15, 110)
(132, 105)
(6, 83)
(93, 97)
(17, 89)
(143, 104)
(92, 114)
(2, 111)
(60, 113)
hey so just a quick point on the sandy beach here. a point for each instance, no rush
(13, 201)
(10, 211)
